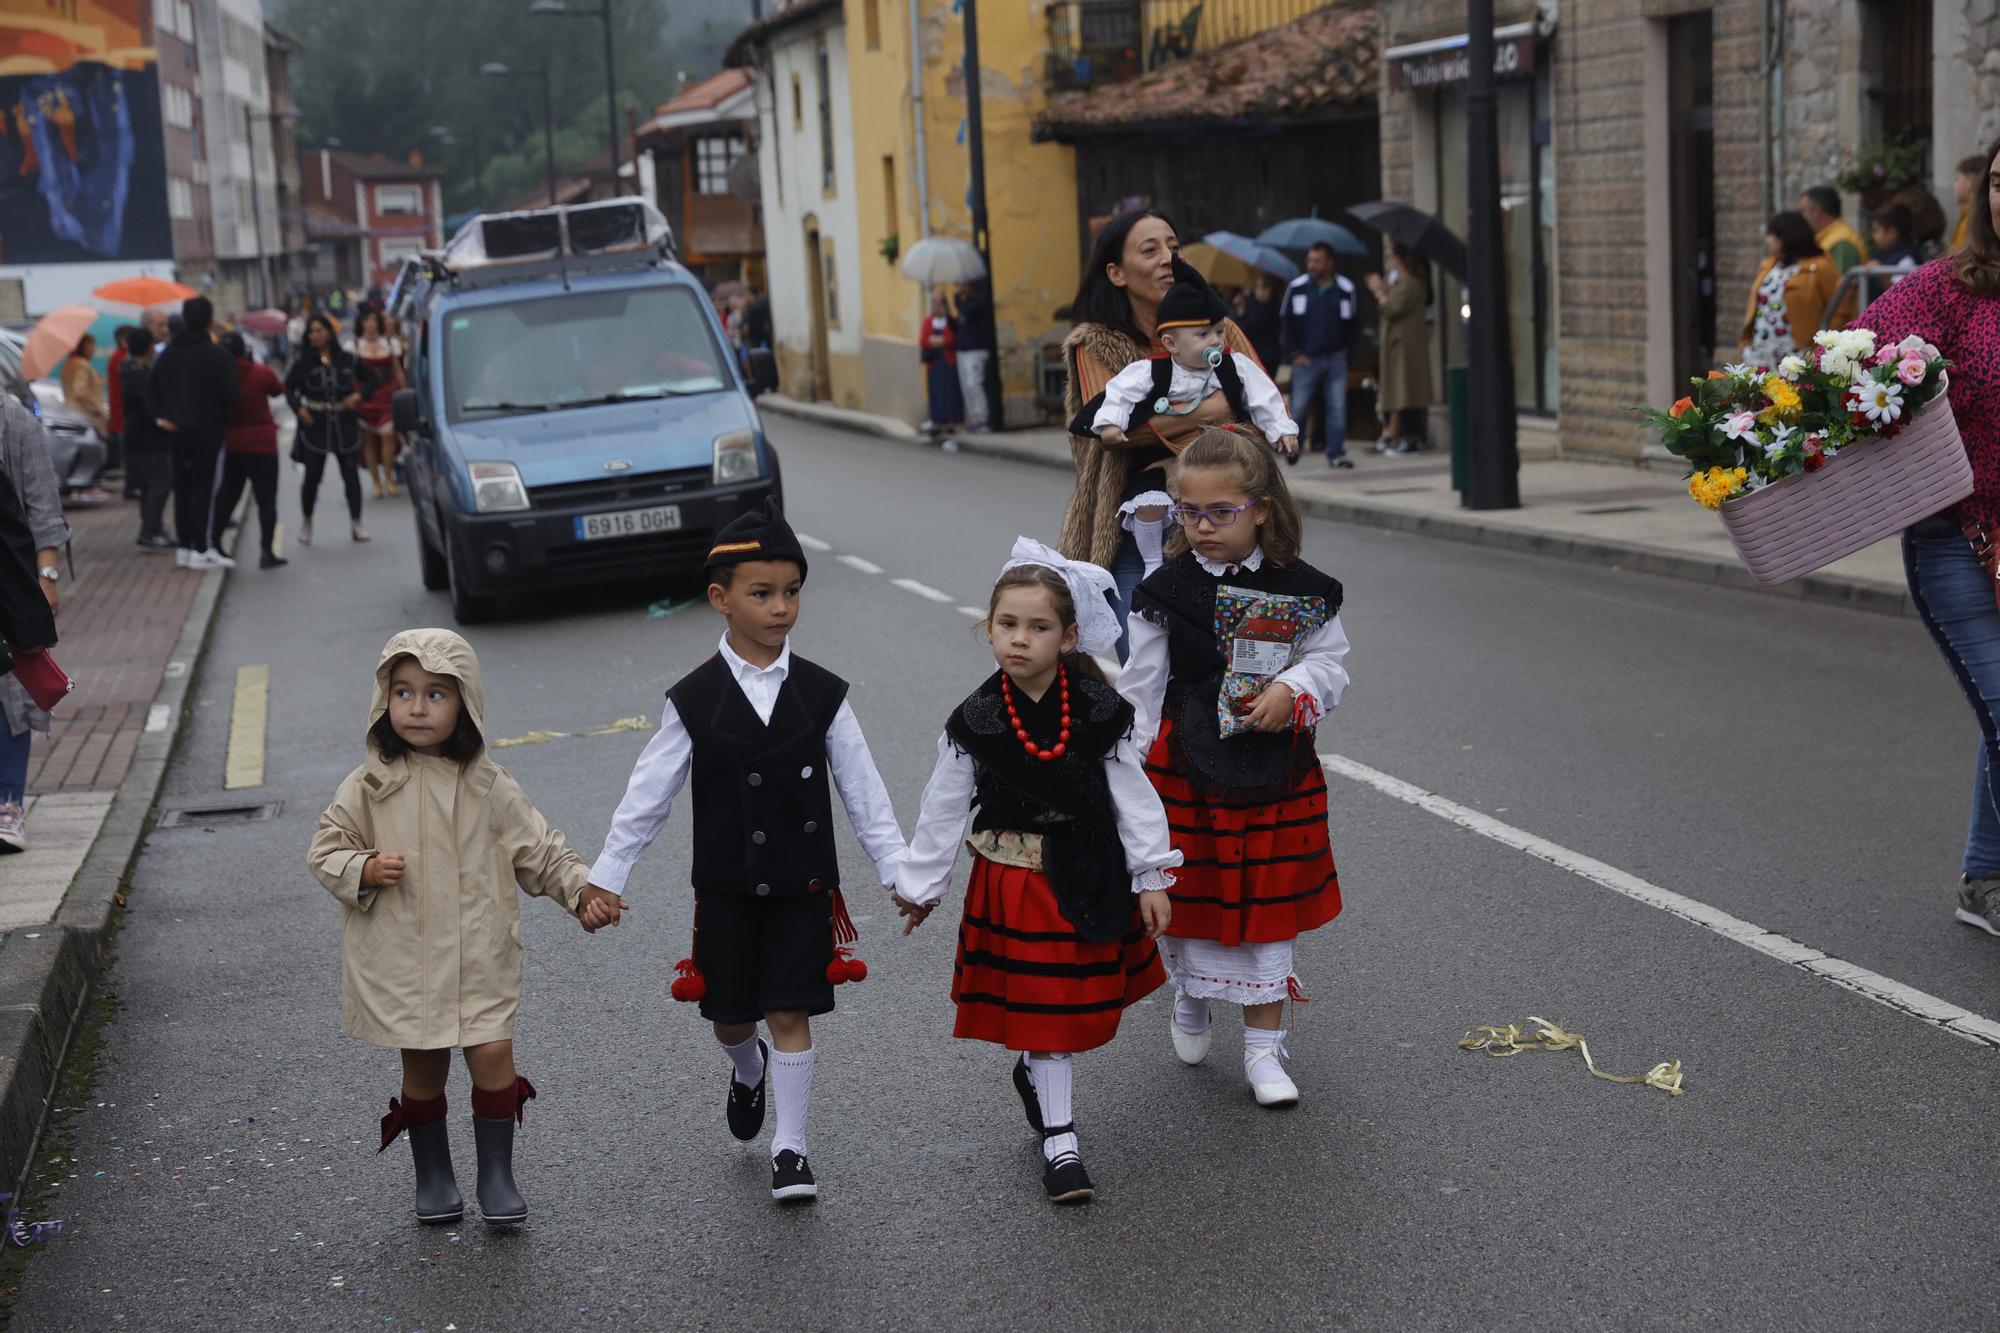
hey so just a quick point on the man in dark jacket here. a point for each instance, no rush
(975, 352)
(149, 464)
(193, 385)
(1316, 326)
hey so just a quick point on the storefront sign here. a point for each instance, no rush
(1513, 58)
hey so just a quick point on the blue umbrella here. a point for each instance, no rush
(1265, 258)
(1304, 233)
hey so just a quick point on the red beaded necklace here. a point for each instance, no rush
(1021, 732)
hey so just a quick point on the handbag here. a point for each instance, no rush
(46, 683)
(929, 354)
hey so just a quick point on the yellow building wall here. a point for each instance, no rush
(1030, 188)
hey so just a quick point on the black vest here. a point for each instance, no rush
(1144, 410)
(763, 808)
(1066, 800)
(1179, 597)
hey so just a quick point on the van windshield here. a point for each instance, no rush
(579, 349)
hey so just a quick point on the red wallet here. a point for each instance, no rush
(46, 683)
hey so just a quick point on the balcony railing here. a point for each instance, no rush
(1094, 42)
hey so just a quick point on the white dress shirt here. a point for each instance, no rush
(1134, 385)
(1319, 676)
(925, 874)
(663, 765)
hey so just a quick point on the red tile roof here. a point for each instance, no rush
(375, 167)
(709, 93)
(1307, 67)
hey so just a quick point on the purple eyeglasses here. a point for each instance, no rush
(1221, 517)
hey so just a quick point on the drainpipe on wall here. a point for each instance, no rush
(917, 119)
(1770, 106)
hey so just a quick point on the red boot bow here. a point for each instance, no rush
(403, 1114)
(845, 966)
(689, 984)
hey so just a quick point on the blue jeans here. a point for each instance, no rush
(14, 764)
(1323, 377)
(1954, 596)
(1128, 567)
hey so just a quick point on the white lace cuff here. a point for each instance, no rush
(1127, 512)
(1148, 880)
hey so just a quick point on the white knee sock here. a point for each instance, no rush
(1052, 1077)
(747, 1058)
(791, 1092)
(1264, 1053)
(1190, 1014)
(1149, 536)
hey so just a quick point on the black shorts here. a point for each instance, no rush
(763, 954)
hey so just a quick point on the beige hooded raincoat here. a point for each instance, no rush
(435, 961)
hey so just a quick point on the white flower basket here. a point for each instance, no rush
(1868, 492)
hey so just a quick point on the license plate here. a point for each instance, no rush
(628, 523)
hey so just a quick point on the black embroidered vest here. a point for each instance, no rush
(1227, 377)
(1066, 800)
(763, 806)
(1179, 597)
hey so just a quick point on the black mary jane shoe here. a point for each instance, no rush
(746, 1104)
(792, 1178)
(1030, 1103)
(1065, 1179)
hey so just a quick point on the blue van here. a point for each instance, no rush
(576, 415)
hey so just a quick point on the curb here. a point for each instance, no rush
(1831, 589)
(46, 981)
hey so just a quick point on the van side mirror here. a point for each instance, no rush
(763, 370)
(408, 416)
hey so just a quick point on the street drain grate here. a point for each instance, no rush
(1619, 509)
(207, 816)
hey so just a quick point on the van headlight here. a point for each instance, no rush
(497, 488)
(736, 458)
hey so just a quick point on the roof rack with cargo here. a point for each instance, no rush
(557, 241)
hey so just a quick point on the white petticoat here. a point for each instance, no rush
(1239, 974)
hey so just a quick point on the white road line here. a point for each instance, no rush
(1883, 990)
(157, 717)
(923, 590)
(856, 562)
(811, 543)
(971, 612)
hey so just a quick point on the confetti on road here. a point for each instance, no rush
(541, 737)
(662, 609)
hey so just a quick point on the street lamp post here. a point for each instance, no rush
(562, 9)
(494, 69)
(1492, 470)
(975, 138)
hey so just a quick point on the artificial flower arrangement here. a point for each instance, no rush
(1745, 427)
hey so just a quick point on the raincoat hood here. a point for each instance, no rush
(442, 653)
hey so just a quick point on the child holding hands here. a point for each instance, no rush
(423, 846)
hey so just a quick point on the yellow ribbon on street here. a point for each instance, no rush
(1546, 1036)
(539, 737)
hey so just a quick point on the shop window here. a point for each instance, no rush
(1691, 177)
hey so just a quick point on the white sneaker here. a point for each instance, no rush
(1191, 1047)
(1264, 1069)
(210, 560)
(181, 554)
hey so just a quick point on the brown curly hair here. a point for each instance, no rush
(1979, 262)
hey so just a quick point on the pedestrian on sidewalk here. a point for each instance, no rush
(325, 387)
(115, 405)
(974, 314)
(1403, 393)
(1071, 854)
(1117, 309)
(379, 356)
(250, 452)
(194, 382)
(28, 473)
(1789, 296)
(423, 846)
(1237, 623)
(1257, 315)
(1893, 233)
(765, 736)
(1837, 239)
(937, 347)
(1950, 558)
(149, 463)
(83, 387)
(1317, 328)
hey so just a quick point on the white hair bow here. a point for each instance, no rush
(1089, 585)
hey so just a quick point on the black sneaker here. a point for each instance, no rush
(1979, 904)
(746, 1104)
(269, 561)
(1029, 1101)
(1342, 461)
(792, 1179)
(1066, 1180)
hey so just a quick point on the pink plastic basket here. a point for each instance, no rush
(1866, 493)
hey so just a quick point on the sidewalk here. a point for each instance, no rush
(1608, 514)
(131, 628)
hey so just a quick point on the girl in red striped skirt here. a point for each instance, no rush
(1070, 846)
(1236, 653)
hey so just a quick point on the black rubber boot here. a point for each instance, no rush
(500, 1203)
(437, 1188)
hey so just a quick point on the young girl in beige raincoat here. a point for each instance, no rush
(423, 846)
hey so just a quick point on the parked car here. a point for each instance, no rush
(575, 414)
(78, 450)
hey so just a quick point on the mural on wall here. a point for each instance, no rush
(83, 173)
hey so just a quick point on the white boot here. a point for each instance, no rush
(1263, 1066)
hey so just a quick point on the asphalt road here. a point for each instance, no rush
(1802, 767)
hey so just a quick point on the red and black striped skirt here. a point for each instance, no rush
(1026, 980)
(1252, 871)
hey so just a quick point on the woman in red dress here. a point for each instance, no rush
(377, 349)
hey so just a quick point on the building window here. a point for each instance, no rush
(712, 159)
(184, 9)
(241, 42)
(871, 23)
(824, 80)
(1900, 85)
(200, 171)
(180, 199)
(832, 289)
(890, 203)
(244, 212)
(398, 200)
(177, 106)
(798, 105)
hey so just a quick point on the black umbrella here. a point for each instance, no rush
(1415, 230)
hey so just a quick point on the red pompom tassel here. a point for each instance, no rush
(846, 967)
(689, 984)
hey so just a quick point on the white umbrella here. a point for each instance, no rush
(940, 260)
